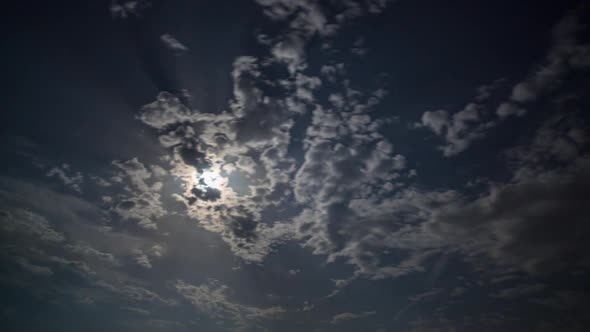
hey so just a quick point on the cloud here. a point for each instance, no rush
(458, 130)
(563, 300)
(165, 111)
(173, 44)
(470, 124)
(134, 292)
(436, 120)
(142, 259)
(346, 316)
(50, 234)
(306, 19)
(248, 142)
(90, 252)
(511, 226)
(73, 181)
(127, 8)
(305, 16)
(291, 51)
(424, 296)
(359, 47)
(515, 223)
(21, 222)
(34, 269)
(346, 163)
(140, 199)
(566, 54)
(212, 299)
(138, 311)
(508, 109)
(519, 291)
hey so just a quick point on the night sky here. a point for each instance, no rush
(295, 165)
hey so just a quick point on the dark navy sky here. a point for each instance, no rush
(294, 165)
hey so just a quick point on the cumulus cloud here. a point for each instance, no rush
(251, 139)
(165, 111)
(140, 200)
(347, 162)
(306, 19)
(142, 259)
(436, 120)
(248, 142)
(458, 130)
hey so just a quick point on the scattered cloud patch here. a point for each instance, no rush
(72, 180)
(347, 316)
(212, 299)
(173, 44)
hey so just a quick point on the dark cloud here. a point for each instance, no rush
(567, 53)
(244, 228)
(536, 222)
(65, 235)
(460, 129)
(206, 194)
(193, 157)
(127, 8)
(522, 290)
(346, 316)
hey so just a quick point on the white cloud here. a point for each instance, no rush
(165, 111)
(173, 44)
(142, 259)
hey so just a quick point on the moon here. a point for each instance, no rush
(211, 179)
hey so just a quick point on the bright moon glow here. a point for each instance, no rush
(211, 179)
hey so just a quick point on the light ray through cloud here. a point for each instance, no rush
(295, 165)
